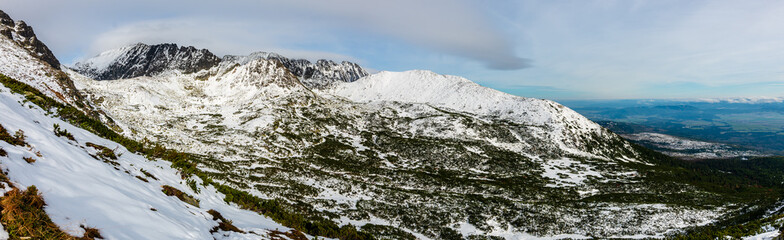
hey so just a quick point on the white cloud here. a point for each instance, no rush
(619, 48)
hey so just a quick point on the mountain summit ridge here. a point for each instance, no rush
(148, 60)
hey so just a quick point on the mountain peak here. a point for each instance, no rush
(5, 19)
(146, 60)
(320, 74)
(22, 34)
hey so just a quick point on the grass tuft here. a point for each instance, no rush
(149, 175)
(63, 133)
(223, 223)
(90, 233)
(23, 217)
(292, 234)
(103, 151)
(17, 139)
(171, 191)
(142, 178)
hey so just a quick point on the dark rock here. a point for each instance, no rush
(313, 75)
(148, 60)
(23, 34)
(5, 19)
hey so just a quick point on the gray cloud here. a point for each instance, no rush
(221, 37)
(456, 28)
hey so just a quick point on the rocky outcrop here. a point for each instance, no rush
(22, 34)
(149, 60)
(146, 60)
(320, 74)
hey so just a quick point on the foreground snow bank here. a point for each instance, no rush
(79, 189)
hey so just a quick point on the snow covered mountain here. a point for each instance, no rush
(563, 127)
(326, 149)
(149, 60)
(321, 74)
(146, 60)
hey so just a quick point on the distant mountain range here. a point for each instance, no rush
(746, 125)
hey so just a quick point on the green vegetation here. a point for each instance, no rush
(733, 231)
(277, 211)
(754, 184)
(62, 132)
(149, 175)
(17, 139)
(103, 151)
(192, 184)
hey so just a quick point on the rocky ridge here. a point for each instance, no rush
(22, 34)
(146, 60)
(149, 60)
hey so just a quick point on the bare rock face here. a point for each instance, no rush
(149, 60)
(146, 60)
(320, 74)
(323, 72)
(23, 35)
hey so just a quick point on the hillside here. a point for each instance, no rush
(90, 181)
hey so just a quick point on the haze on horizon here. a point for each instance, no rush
(543, 49)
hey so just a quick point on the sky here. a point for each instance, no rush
(562, 50)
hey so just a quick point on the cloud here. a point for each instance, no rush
(617, 49)
(220, 37)
(597, 49)
(453, 27)
(457, 28)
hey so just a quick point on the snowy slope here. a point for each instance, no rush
(419, 86)
(463, 95)
(81, 190)
(17, 63)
